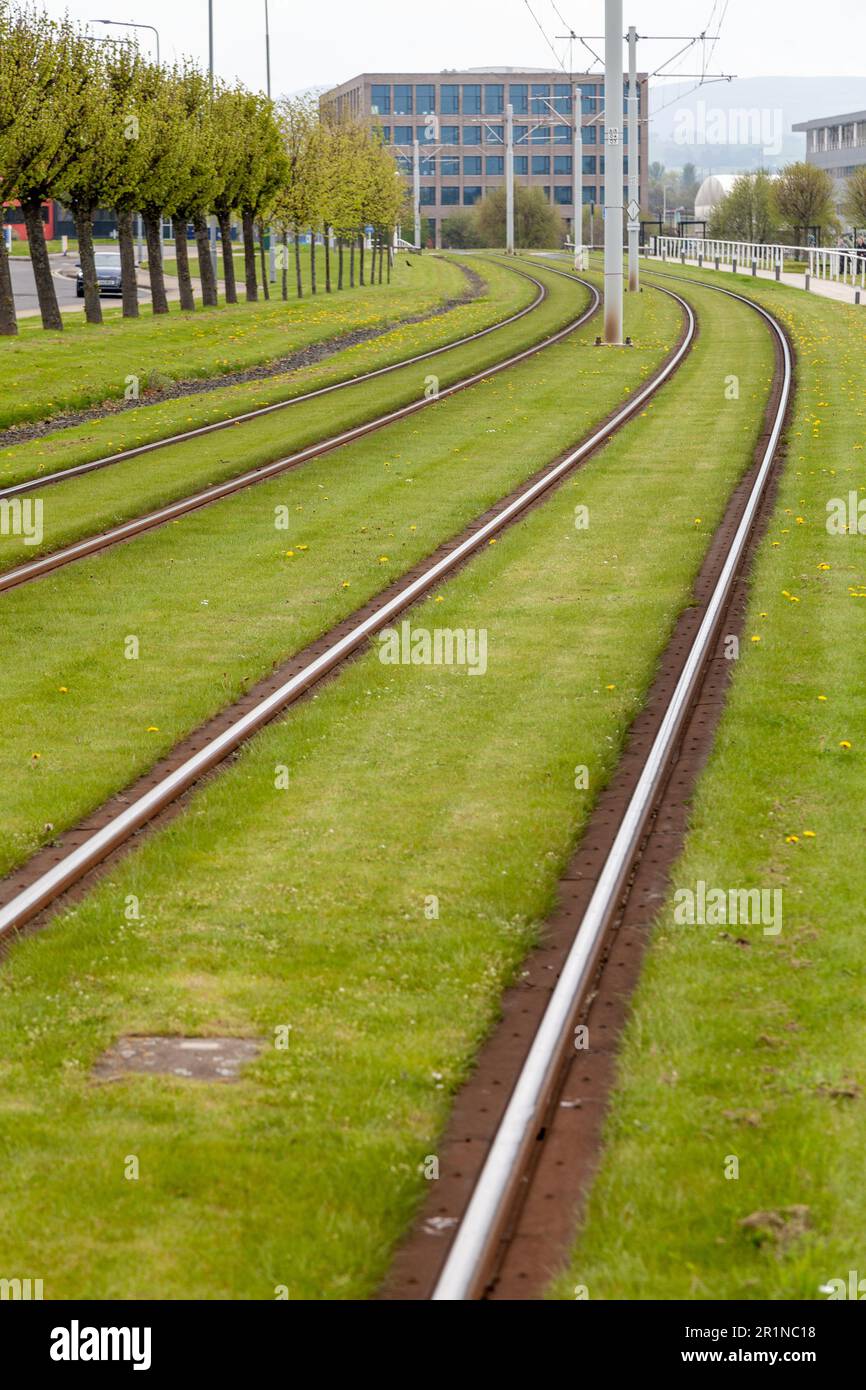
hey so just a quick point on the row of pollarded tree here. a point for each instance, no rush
(100, 127)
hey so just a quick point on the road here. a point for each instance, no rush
(24, 286)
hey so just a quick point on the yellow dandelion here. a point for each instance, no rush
(845, 744)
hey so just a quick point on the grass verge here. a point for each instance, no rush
(733, 1158)
(46, 373)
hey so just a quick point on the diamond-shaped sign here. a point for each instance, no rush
(633, 210)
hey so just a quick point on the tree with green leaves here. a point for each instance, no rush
(263, 175)
(45, 80)
(127, 157)
(227, 115)
(854, 202)
(199, 182)
(167, 141)
(748, 212)
(804, 197)
(536, 223)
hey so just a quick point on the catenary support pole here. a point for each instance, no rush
(416, 189)
(633, 166)
(613, 190)
(509, 180)
(577, 179)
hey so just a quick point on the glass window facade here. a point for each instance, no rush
(403, 135)
(494, 99)
(562, 98)
(494, 134)
(449, 99)
(450, 195)
(589, 162)
(472, 99)
(449, 135)
(540, 135)
(520, 133)
(540, 98)
(471, 195)
(402, 99)
(472, 164)
(428, 167)
(562, 193)
(472, 135)
(494, 164)
(562, 164)
(425, 99)
(562, 135)
(518, 95)
(381, 99)
(541, 164)
(449, 166)
(428, 197)
(521, 164)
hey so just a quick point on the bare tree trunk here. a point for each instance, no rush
(8, 320)
(352, 264)
(361, 250)
(128, 281)
(51, 316)
(250, 257)
(381, 253)
(340, 263)
(284, 248)
(153, 232)
(84, 228)
(327, 259)
(187, 298)
(312, 261)
(231, 285)
(390, 257)
(298, 264)
(263, 257)
(205, 264)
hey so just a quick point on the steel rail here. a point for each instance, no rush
(90, 545)
(470, 1255)
(46, 479)
(38, 895)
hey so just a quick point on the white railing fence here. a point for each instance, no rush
(822, 263)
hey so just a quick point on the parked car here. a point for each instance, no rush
(107, 273)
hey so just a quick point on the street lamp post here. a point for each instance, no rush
(273, 248)
(212, 225)
(128, 24)
(577, 162)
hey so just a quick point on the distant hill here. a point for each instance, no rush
(730, 127)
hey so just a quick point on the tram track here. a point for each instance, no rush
(183, 437)
(31, 893)
(173, 511)
(525, 1132)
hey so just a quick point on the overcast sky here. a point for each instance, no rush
(323, 44)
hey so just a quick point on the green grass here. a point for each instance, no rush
(506, 293)
(84, 505)
(304, 908)
(757, 1049)
(43, 373)
(216, 599)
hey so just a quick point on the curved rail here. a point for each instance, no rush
(90, 545)
(462, 1275)
(71, 867)
(46, 479)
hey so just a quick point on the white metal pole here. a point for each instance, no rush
(509, 180)
(613, 201)
(633, 166)
(577, 179)
(416, 189)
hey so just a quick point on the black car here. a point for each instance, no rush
(107, 273)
